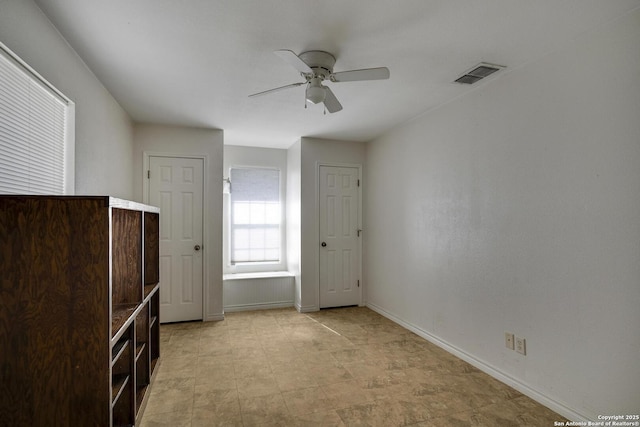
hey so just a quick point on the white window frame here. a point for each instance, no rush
(255, 267)
(68, 184)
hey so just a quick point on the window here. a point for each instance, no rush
(36, 132)
(255, 216)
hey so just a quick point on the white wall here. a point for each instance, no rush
(273, 158)
(185, 141)
(294, 231)
(312, 153)
(516, 208)
(104, 139)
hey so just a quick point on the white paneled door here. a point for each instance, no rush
(339, 237)
(176, 185)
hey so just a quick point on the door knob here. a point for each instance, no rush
(196, 247)
(323, 244)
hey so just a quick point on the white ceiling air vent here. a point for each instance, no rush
(479, 72)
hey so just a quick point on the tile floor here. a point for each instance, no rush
(338, 367)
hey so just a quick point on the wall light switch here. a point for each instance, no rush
(508, 340)
(521, 346)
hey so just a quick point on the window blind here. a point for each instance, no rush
(33, 131)
(255, 215)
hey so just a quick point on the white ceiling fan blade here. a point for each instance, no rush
(381, 73)
(277, 89)
(292, 59)
(331, 102)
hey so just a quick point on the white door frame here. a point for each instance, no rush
(146, 155)
(317, 239)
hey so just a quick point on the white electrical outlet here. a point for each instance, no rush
(508, 340)
(521, 346)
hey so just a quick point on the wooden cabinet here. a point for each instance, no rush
(79, 306)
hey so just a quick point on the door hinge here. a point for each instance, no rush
(358, 183)
(148, 174)
(358, 283)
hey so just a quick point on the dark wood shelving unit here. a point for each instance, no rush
(120, 315)
(154, 330)
(141, 347)
(79, 285)
(118, 386)
(118, 349)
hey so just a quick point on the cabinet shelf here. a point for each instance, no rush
(120, 317)
(118, 349)
(140, 394)
(140, 349)
(119, 384)
(148, 289)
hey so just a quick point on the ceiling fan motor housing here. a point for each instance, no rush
(320, 62)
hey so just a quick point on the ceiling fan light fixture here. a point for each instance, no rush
(315, 92)
(316, 66)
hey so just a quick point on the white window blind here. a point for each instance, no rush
(255, 215)
(35, 138)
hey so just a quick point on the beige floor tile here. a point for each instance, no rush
(388, 384)
(249, 353)
(257, 386)
(439, 404)
(171, 395)
(213, 384)
(248, 368)
(176, 367)
(313, 358)
(382, 413)
(464, 419)
(295, 379)
(319, 419)
(265, 410)
(286, 363)
(211, 347)
(328, 374)
(244, 341)
(189, 329)
(349, 355)
(277, 347)
(209, 362)
(338, 367)
(347, 393)
(228, 399)
(222, 358)
(182, 344)
(306, 400)
(366, 369)
(215, 417)
(170, 419)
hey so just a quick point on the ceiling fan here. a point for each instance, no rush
(316, 66)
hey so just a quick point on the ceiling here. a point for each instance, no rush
(194, 62)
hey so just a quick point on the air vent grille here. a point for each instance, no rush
(478, 72)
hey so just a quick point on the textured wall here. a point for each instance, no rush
(104, 139)
(515, 208)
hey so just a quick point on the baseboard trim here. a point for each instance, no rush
(306, 308)
(496, 373)
(250, 307)
(214, 317)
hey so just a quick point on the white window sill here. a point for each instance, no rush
(256, 275)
